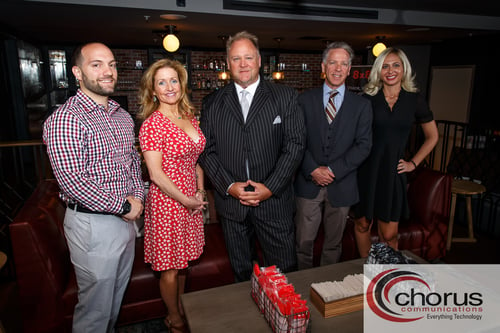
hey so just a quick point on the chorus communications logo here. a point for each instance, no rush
(431, 298)
(400, 295)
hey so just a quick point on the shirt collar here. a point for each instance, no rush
(251, 88)
(327, 89)
(91, 105)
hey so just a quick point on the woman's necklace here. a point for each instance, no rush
(391, 96)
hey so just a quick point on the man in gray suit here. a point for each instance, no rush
(255, 142)
(338, 124)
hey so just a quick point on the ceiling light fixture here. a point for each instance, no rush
(173, 17)
(279, 74)
(223, 75)
(170, 41)
(379, 47)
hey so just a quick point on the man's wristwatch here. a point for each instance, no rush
(126, 208)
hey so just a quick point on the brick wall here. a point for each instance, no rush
(302, 71)
(205, 66)
(129, 76)
(294, 75)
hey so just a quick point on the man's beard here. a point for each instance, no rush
(96, 88)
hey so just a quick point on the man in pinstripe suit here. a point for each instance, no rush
(339, 138)
(251, 158)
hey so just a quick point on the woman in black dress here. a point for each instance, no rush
(382, 180)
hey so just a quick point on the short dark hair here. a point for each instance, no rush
(77, 57)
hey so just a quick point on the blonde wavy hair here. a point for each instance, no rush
(374, 80)
(147, 101)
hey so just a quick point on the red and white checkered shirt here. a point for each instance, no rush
(92, 154)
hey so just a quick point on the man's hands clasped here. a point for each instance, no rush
(250, 198)
(322, 176)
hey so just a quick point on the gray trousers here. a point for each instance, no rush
(102, 251)
(308, 217)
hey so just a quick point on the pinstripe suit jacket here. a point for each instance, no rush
(272, 139)
(342, 146)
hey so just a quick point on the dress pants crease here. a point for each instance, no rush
(310, 213)
(102, 251)
(276, 239)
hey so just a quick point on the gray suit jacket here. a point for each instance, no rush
(342, 146)
(272, 140)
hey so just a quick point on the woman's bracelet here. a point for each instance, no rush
(203, 192)
(412, 162)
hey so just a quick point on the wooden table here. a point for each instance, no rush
(467, 189)
(231, 308)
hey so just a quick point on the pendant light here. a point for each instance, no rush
(279, 74)
(379, 47)
(223, 74)
(170, 41)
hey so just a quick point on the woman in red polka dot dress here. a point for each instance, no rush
(171, 142)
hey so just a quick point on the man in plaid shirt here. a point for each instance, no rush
(90, 143)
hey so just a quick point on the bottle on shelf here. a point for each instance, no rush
(203, 82)
(198, 82)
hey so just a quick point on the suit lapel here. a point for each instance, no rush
(233, 103)
(320, 115)
(317, 105)
(259, 101)
(344, 106)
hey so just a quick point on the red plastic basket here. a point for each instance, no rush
(280, 323)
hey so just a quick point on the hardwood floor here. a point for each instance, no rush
(485, 251)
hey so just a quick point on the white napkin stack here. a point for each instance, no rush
(352, 285)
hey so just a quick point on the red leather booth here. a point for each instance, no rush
(46, 280)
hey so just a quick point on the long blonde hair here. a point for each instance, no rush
(374, 80)
(149, 103)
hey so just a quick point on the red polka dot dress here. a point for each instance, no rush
(172, 237)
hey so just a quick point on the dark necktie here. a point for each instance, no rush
(330, 110)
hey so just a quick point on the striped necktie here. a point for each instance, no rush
(330, 110)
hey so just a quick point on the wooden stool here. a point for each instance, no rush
(3, 259)
(467, 189)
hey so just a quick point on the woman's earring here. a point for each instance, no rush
(155, 99)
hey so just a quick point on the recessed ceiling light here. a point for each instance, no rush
(418, 29)
(312, 37)
(173, 17)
